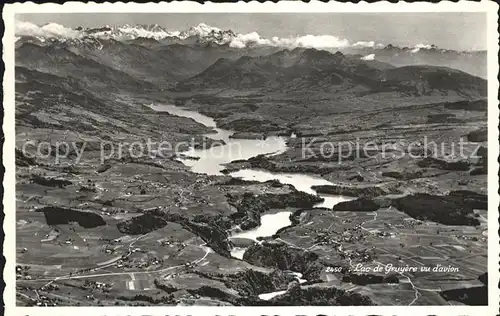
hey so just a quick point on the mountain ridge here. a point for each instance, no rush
(204, 36)
(204, 32)
(311, 69)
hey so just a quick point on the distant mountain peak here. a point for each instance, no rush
(208, 34)
(338, 54)
(317, 53)
(201, 29)
(417, 48)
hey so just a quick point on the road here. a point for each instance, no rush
(133, 273)
(88, 276)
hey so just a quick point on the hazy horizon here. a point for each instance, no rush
(459, 31)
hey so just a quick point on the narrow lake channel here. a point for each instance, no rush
(211, 161)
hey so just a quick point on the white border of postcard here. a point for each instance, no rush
(489, 7)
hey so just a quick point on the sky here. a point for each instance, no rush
(459, 31)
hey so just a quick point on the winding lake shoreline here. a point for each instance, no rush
(211, 161)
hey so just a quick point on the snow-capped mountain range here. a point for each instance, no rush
(155, 37)
(201, 33)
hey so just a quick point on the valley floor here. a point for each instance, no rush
(144, 231)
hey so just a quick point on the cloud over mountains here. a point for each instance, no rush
(47, 30)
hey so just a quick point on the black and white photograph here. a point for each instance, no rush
(263, 159)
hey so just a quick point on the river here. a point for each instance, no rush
(211, 161)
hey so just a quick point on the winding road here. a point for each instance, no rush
(87, 276)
